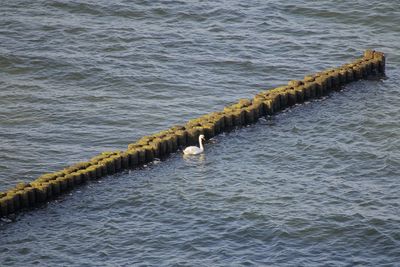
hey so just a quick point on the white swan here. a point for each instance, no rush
(194, 150)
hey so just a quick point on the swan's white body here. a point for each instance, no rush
(194, 150)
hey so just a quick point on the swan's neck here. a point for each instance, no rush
(201, 144)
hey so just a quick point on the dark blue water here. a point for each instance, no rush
(316, 185)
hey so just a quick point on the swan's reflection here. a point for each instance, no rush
(195, 159)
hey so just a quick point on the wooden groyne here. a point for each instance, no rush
(246, 111)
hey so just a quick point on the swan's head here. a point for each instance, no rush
(201, 137)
